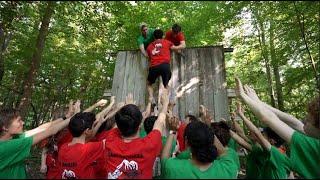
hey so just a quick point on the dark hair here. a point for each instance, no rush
(221, 130)
(192, 118)
(80, 122)
(6, 118)
(128, 119)
(176, 28)
(158, 34)
(273, 135)
(200, 139)
(148, 123)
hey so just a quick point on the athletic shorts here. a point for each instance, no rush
(162, 70)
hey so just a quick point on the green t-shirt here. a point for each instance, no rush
(276, 165)
(305, 155)
(186, 154)
(223, 167)
(146, 41)
(233, 144)
(12, 155)
(255, 160)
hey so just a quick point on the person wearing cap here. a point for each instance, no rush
(176, 36)
(145, 38)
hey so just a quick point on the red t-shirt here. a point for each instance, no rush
(175, 39)
(159, 52)
(180, 136)
(131, 160)
(52, 167)
(63, 137)
(77, 161)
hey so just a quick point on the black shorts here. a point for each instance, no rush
(162, 70)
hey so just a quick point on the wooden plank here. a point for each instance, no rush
(118, 75)
(126, 76)
(182, 100)
(192, 79)
(142, 78)
(206, 78)
(175, 81)
(220, 92)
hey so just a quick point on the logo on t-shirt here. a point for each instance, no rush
(128, 168)
(68, 174)
(156, 49)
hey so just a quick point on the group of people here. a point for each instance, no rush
(123, 141)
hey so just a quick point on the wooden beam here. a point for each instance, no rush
(228, 49)
(231, 93)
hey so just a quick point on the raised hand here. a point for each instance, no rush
(129, 99)
(251, 93)
(102, 102)
(239, 109)
(77, 107)
(239, 88)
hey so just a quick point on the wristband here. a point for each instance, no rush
(64, 117)
(172, 132)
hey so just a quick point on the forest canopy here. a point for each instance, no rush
(52, 52)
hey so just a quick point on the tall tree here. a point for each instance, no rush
(36, 58)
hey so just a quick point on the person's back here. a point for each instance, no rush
(159, 52)
(128, 155)
(204, 163)
(77, 157)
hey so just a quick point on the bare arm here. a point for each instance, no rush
(167, 147)
(240, 140)
(265, 115)
(101, 103)
(100, 117)
(160, 122)
(182, 45)
(290, 120)
(43, 166)
(147, 112)
(238, 129)
(261, 139)
(221, 149)
(143, 51)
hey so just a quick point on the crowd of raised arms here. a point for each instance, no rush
(123, 141)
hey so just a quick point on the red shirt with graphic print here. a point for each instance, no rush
(159, 52)
(131, 160)
(175, 39)
(77, 160)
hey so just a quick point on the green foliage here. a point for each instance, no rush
(77, 61)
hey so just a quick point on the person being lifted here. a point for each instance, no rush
(159, 65)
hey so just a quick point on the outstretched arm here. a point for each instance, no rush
(100, 117)
(240, 140)
(173, 124)
(160, 122)
(101, 103)
(143, 51)
(265, 115)
(238, 128)
(290, 120)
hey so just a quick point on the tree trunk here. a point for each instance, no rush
(36, 59)
(275, 65)
(265, 53)
(304, 38)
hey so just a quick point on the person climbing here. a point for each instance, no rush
(145, 38)
(176, 36)
(159, 53)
